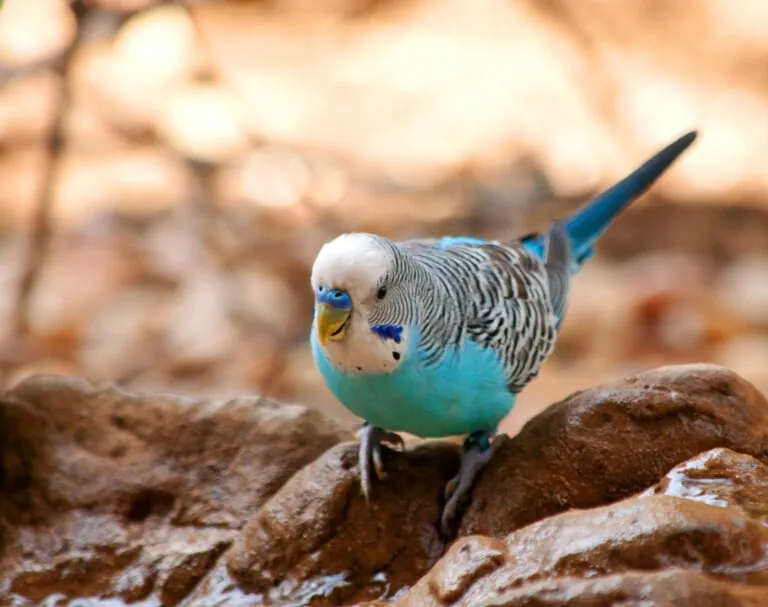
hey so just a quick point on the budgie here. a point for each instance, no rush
(436, 337)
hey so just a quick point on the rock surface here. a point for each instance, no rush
(109, 494)
(643, 534)
(603, 444)
(319, 523)
(649, 491)
(720, 477)
(666, 588)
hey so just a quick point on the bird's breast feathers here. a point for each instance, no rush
(465, 390)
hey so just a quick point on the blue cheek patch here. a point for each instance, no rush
(392, 332)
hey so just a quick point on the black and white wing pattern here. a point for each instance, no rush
(506, 297)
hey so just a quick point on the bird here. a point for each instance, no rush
(436, 337)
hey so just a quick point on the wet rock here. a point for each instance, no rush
(193, 503)
(673, 587)
(606, 443)
(318, 537)
(103, 493)
(647, 533)
(81, 554)
(720, 477)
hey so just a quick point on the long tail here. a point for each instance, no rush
(590, 222)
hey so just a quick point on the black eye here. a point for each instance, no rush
(382, 292)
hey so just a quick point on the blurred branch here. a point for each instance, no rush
(41, 228)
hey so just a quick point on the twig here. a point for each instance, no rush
(41, 228)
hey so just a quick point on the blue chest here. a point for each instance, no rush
(463, 392)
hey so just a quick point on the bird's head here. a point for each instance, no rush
(352, 278)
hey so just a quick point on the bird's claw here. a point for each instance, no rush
(371, 440)
(450, 487)
(378, 465)
(382, 436)
(473, 460)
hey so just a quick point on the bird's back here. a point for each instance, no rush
(495, 295)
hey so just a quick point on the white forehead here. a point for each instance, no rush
(350, 260)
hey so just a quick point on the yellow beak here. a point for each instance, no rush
(331, 323)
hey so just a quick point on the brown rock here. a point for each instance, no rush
(107, 494)
(103, 493)
(720, 477)
(609, 442)
(676, 587)
(647, 533)
(317, 537)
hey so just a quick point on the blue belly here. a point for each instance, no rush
(464, 392)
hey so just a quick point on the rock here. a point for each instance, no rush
(647, 533)
(606, 443)
(318, 537)
(720, 477)
(673, 587)
(103, 493)
(176, 501)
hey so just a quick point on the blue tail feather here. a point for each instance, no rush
(589, 223)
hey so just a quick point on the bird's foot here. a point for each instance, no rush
(371, 439)
(475, 454)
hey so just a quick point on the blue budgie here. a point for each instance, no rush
(436, 337)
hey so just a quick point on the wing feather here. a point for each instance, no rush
(509, 298)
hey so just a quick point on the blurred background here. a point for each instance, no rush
(169, 171)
